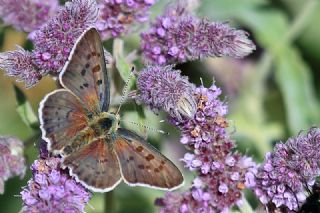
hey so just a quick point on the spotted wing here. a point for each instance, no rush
(143, 165)
(85, 72)
(95, 165)
(61, 118)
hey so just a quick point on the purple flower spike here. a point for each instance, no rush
(178, 36)
(165, 88)
(54, 41)
(20, 64)
(222, 174)
(53, 190)
(12, 162)
(27, 15)
(116, 17)
(289, 171)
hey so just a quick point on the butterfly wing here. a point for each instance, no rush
(61, 118)
(142, 165)
(95, 165)
(85, 72)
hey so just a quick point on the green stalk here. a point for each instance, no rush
(109, 202)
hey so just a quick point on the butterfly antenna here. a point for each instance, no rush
(125, 90)
(149, 128)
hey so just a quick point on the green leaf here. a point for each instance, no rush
(294, 80)
(122, 66)
(24, 109)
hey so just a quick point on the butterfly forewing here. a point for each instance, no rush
(95, 165)
(61, 118)
(85, 73)
(141, 164)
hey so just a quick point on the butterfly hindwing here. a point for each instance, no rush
(95, 165)
(141, 164)
(85, 72)
(61, 118)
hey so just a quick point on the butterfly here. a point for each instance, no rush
(76, 124)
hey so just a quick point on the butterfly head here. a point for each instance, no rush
(108, 123)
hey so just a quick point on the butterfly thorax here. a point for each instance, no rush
(105, 124)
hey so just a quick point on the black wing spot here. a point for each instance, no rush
(87, 65)
(83, 72)
(99, 82)
(86, 85)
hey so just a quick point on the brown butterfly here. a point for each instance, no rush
(76, 124)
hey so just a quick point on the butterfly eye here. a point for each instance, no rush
(106, 123)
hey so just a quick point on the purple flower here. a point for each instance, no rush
(289, 171)
(20, 64)
(213, 192)
(116, 17)
(12, 162)
(53, 190)
(53, 43)
(164, 88)
(177, 36)
(27, 15)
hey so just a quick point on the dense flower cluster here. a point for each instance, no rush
(289, 171)
(208, 124)
(215, 191)
(177, 36)
(53, 43)
(222, 174)
(164, 88)
(12, 162)
(53, 190)
(116, 17)
(27, 15)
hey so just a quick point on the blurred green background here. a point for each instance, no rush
(272, 94)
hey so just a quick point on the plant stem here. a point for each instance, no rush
(294, 31)
(300, 21)
(109, 202)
